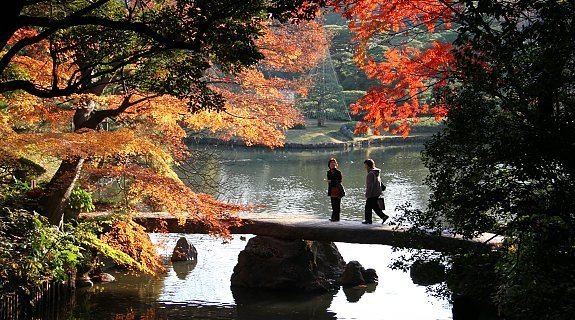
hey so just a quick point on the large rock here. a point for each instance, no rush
(352, 275)
(355, 275)
(370, 276)
(297, 265)
(330, 263)
(184, 251)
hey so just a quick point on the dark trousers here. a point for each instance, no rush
(335, 208)
(371, 204)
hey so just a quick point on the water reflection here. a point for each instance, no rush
(183, 268)
(353, 294)
(203, 291)
(265, 305)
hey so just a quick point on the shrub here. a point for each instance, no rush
(32, 251)
(81, 200)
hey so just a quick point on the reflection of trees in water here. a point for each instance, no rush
(149, 314)
(139, 297)
(354, 294)
(129, 303)
(264, 305)
(314, 164)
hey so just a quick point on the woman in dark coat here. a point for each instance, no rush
(335, 189)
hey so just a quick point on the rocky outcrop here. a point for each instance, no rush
(296, 265)
(184, 251)
(355, 275)
(352, 275)
(370, 276)
(330, 263)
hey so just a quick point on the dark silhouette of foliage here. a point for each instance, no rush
(505, 162)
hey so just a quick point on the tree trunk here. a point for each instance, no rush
(61, 185)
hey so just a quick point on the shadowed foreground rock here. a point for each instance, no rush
(355, 275)
(296, 265)
(184, 251)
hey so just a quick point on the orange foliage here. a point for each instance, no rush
(130, 238)
(141, 145)
(258, 110)
(36, 63)
(259, 105)
(406, 73)
(294, 47)
(161, 193)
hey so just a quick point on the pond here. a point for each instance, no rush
(288, 183)
(293, 182)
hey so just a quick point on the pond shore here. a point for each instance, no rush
(342, 145)
(331, 136)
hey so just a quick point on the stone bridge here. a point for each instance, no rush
(313, 228)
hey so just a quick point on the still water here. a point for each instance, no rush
(287, 183)
(293, 183)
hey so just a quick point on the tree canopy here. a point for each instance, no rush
(106, 91)
(505, 161)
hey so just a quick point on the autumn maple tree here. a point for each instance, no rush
(107, 90)
(414, 61)
(260, 101)
(504, 161)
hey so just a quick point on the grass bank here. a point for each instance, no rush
(331, 135)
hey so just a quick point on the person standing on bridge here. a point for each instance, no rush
(373, 192)
(334, 188)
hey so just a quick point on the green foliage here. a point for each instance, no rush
(32, 251)
(351, 96)
(342, 49)
(11, 191)
(15, 193)
(505, 162)
(325, 98)
(81, 200)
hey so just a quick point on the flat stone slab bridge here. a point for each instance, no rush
(313, 228)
